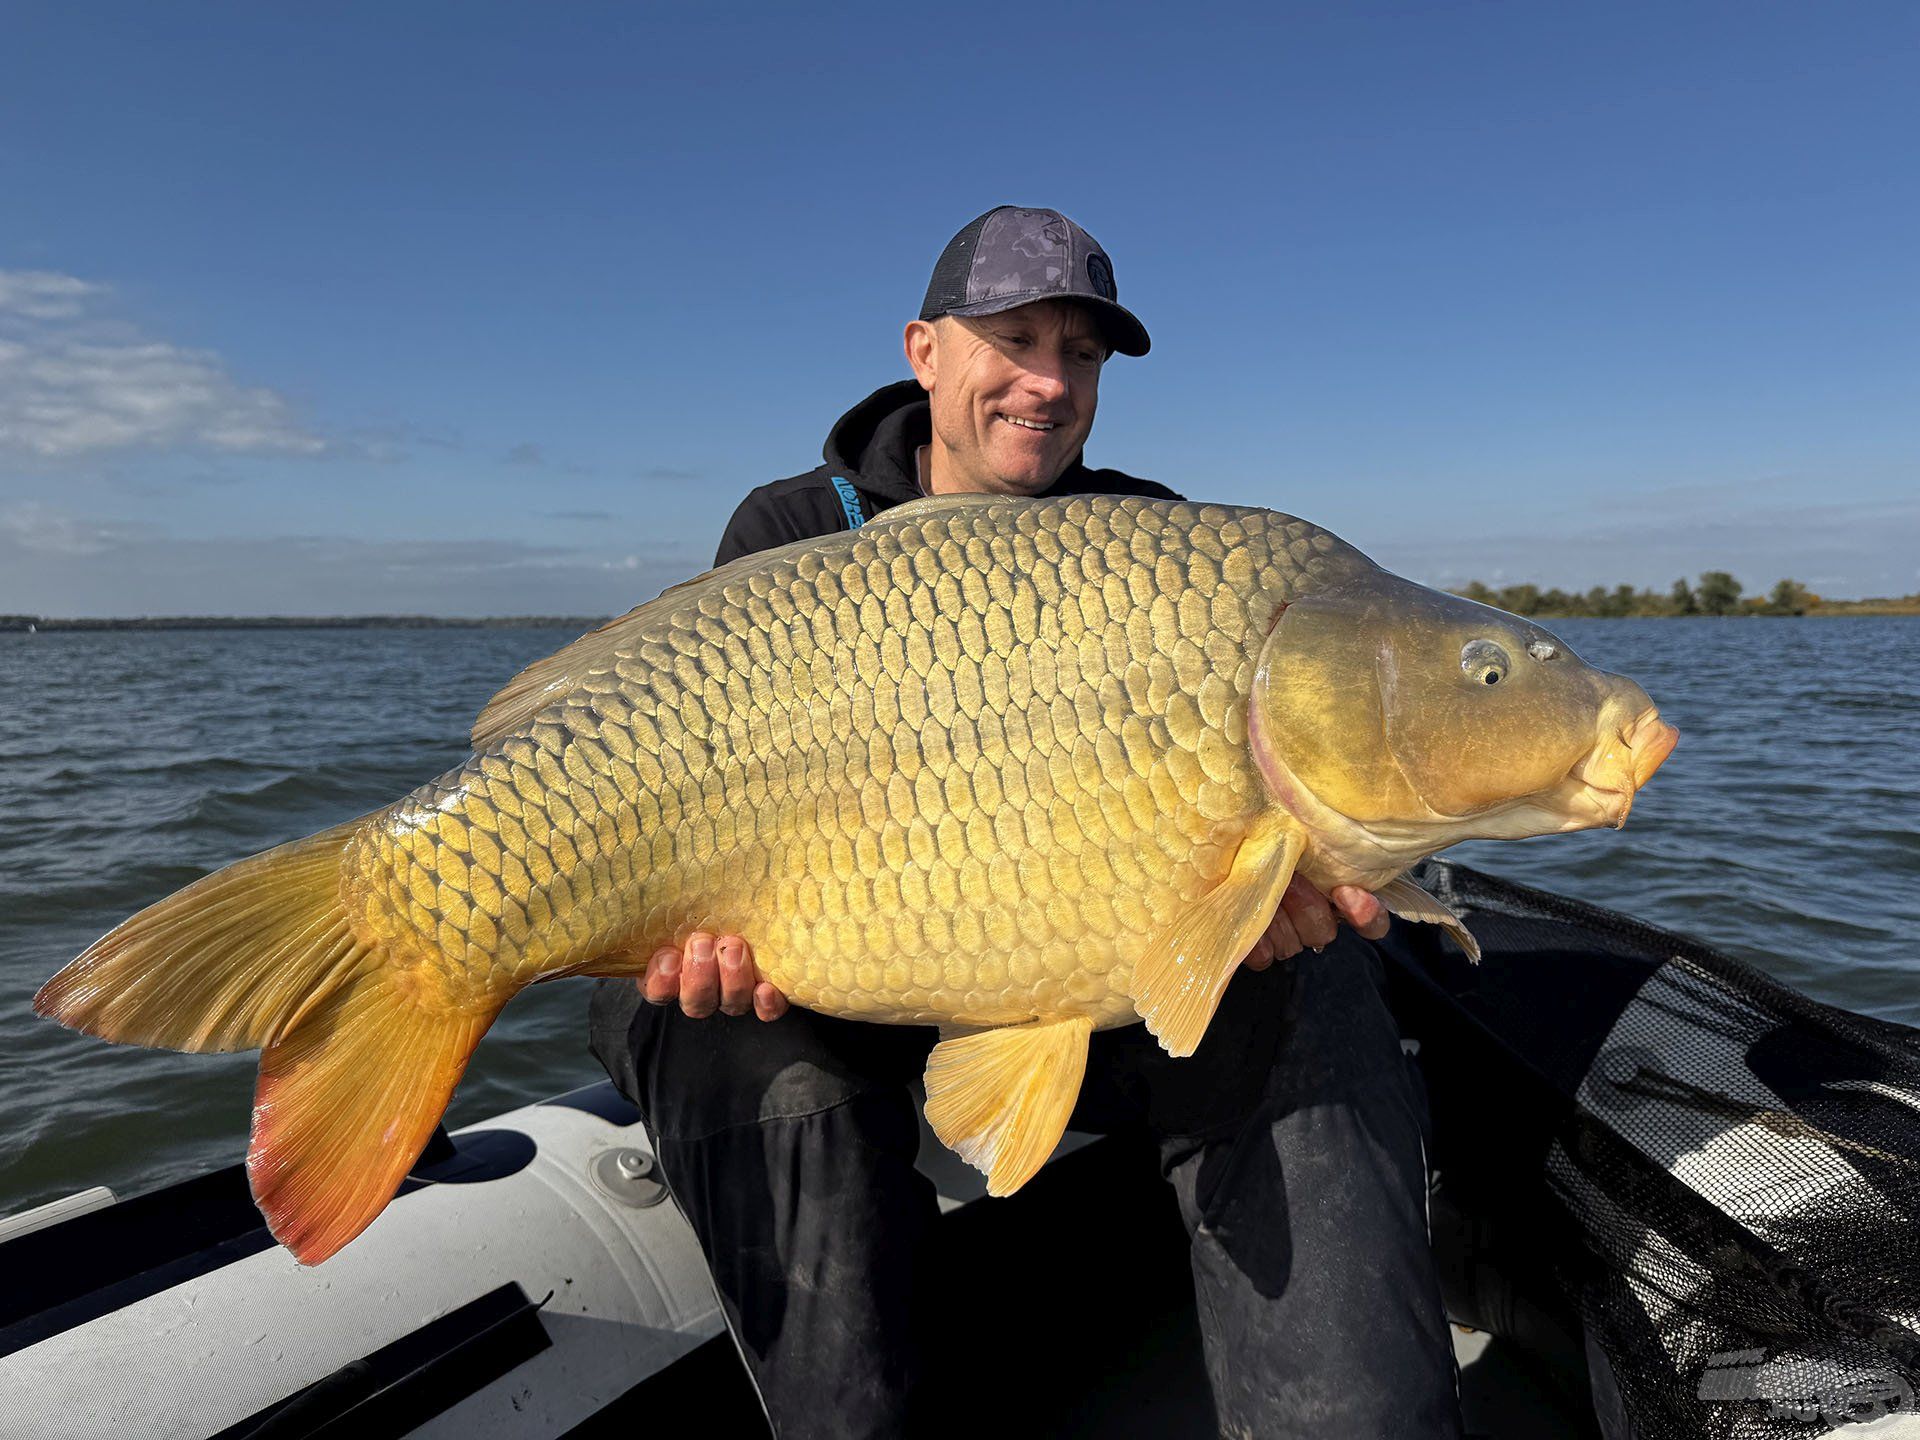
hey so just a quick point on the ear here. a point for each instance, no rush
(923, 343)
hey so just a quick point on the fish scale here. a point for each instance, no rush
(950, 768)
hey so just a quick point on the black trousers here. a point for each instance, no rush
(1293, 1139)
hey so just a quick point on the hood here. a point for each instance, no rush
(875, 440)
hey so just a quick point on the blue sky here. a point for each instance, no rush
(489, 308)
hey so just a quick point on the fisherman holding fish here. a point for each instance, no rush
(983, 746)
(1292, 1137)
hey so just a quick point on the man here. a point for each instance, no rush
(1292, 1136)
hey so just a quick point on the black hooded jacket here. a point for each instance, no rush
(870, 467)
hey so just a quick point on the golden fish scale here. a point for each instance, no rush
(958, 765)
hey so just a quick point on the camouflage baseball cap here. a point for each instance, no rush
(1013, 256)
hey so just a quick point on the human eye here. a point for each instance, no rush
(1084, 349)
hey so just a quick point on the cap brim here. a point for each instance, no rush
(1122, 328)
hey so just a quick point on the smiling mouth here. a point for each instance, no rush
(1041, 425)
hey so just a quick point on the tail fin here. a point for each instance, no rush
(346, 1103)
(233, 961)
(360, 1056)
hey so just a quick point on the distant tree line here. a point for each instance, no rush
(1717, 593)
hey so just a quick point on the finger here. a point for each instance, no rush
(1362, 910)
(736, 975)
(768, 1002)
(1261, 956)
(699, 976)
(1285, 939)
(661, 983)
(1307, 908)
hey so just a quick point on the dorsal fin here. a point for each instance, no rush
(527, 694)
(544, 681)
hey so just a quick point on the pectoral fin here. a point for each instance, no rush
(1178, 983)
(1000, 1099)
(1410, 902)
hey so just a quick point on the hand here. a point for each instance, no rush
(1306, 918)
(711, 975)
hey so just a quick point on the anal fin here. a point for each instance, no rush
(1178, 982)
(1410, 902)
(1000, 1098)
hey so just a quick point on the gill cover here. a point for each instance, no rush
(1393, 702)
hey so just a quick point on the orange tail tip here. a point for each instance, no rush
(346, 1103)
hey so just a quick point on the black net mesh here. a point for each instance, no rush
(1721, 1175)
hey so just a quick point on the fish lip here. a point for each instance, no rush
(1611, 774)
(1614, 805)
(1650, 741)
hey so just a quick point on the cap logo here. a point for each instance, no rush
(1100, 276)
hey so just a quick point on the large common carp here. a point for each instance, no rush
(1022, 769)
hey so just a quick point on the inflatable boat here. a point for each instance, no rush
(1672, 1197)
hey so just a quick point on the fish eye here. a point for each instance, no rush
(1485, 662)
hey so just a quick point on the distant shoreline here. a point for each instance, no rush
(40, 623)
(1718, 596)
(1833, 610)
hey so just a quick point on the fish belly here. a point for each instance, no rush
(960, 765)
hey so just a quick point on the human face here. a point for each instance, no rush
(1012, 394)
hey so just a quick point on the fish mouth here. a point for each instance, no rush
(1621, 763)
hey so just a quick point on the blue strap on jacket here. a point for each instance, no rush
(849, 502)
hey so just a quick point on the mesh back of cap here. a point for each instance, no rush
(948, 288)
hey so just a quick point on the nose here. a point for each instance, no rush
(1047, 382)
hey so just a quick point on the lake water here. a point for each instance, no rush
(1786, 828)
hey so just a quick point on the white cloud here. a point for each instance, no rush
(73, 382)
(56, 563)
(44, 294)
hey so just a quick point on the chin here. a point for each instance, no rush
(1023, 483)
(1027, 475)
